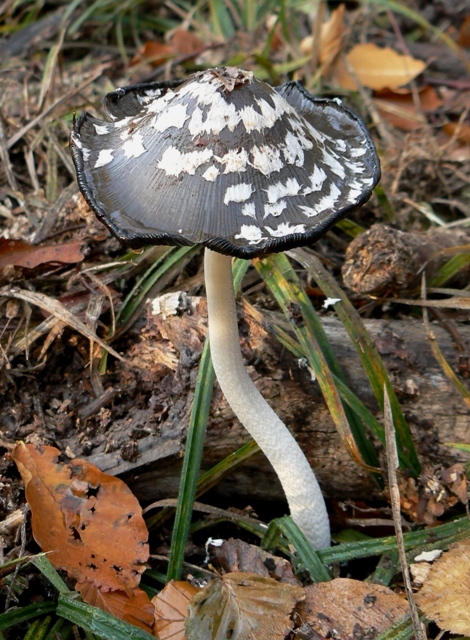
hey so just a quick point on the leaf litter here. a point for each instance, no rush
(426, 166)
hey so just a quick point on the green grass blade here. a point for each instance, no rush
(170, 261)
(371, 361)
(451, 268)
(210, 478)
(96, 621)
(284, 284)
(191, 462)
(29, 612)
(221, 20)
(437, 537)
(307, 555)
(194, 447)
(45, 566)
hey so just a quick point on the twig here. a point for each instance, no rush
(392, 466)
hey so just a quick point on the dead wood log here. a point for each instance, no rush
(385, 261)
(147, 444)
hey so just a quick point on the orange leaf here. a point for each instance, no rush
(23, 254)
(377, 68)
(171, 610)
(331, 33)
(134, 608)
(90, 521)
(462, 131)
(399, 108)
(153, 52)
(185, 42)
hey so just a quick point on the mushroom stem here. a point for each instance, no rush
(300, 485)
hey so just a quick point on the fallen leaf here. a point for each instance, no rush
(460, 130)
(171, 610)
(183, 42)
(236, 555)
(22, 254)
(463, 38)
(445, 596)
(134, 608)
(242, 606)
(345, 608)
(90, 522)
(155, 53)
(377, 68)
(400, 110)
(331, 34)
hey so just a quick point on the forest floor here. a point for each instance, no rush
(87, 367)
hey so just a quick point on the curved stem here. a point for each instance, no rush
(300, 485)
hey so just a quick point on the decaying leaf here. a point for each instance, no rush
(236, 555)
(242, 606)
(90, 521)
(445, 596)
(332, 31)
(399, 109)
(171, 610)
(183, 42)
(377, 68)
(17, 253)
(135, 607)
(345, 608)
(435, 491)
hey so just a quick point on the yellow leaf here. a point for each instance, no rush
(377, 68)
(445, 596)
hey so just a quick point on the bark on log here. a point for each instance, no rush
(385, 261)
(147, 444)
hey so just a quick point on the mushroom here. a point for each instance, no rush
(226, 161)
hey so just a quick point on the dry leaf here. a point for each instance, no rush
(236, 555)
(331, 33)
(134, 608)
(460, 130)
(22, 254)
(331, 36)
(377, 68)
(155, 53)
(445, 596)
(183, 42)
(345, 608)
(242, 606)
(90, 521)
(400, 110)
(171, 610)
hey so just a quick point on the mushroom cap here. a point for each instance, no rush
(223, 160)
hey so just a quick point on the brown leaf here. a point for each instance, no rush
(331, 34)
(345, 608)
(377, 68)
(185, 42)
(400, 110)
(242, 606)
(90, 521)
(460, 130)
(22, 254)
(237, 555)
(171, 610)
(134, 608)
(155, 53)
(331, 38)
(445, 596)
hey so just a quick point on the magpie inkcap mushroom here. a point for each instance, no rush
(227, 161)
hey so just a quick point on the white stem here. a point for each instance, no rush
(300, 485)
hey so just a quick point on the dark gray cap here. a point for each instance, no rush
(223, 160)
